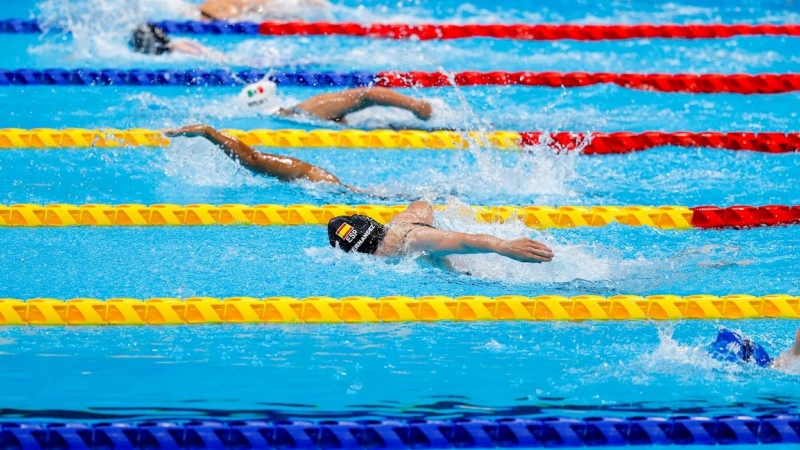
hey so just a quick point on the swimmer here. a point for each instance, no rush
(411, 231)
(264, 9)
(333, 106)
(153, 40)
(733, 346)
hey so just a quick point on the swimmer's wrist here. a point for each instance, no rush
(205, 130)
(494, 244)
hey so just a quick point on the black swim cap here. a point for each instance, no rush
(150, 39)
(356, 233)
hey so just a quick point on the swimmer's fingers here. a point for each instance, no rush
(539, 255)
(539, 252)
(528, 250)
(188, 131)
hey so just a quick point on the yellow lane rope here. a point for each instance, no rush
(29, 215)
(139, 137)
(204, 310)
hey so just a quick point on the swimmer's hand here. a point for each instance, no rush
(525, 250)
(189, 131)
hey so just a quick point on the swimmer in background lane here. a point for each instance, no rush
(333, 106)
(153, 40)
(733, 346)
(411, 231)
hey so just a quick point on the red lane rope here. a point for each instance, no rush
(744, 216)
(525, 32)
(708, 83)
(627, 142)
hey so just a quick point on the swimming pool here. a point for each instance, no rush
(416, 370)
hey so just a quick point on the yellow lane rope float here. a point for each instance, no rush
(137, 137)
(204, 310)
(29, 215)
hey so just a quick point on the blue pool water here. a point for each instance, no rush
(402, 370)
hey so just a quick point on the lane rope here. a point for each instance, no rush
(661, 82)
(540, 217)
(563, 432)
(541, 32)
(590, 144)
(288, 310)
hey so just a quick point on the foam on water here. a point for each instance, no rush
(670, 356)
(100, 29)
(541, 176)
(571, 262)
(195, 162)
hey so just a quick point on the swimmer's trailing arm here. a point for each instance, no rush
(284, 168)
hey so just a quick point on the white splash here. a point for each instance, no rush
(686, 362)
(100, 29)
(197, 163)
(571, 262)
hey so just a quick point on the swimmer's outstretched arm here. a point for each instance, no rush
(791, 355)
(336, 105)
(441, 242)
(795, 351)
(189, 47)
(284, 168)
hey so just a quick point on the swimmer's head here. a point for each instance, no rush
(150, 40)
(732, 346)
(356, 233)
(259, 94)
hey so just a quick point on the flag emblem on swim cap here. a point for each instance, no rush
(346, 232)
(258, 90)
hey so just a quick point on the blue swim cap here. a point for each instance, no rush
(732, 346)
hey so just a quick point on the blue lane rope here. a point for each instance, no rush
(178, 77)
(215, 27)
(19, 26)
(417, 434)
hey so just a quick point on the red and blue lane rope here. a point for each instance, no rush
(662, 82)
(442, 31)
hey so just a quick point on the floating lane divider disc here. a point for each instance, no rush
(204, 310)
(590, 144)
(664, 217)
(563, 432)
(455, 31)
(663, 82)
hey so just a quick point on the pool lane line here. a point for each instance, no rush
(661, 82)
(587, 143)
(445, 31)
(328, 310)
(540, 217)
(422, 434)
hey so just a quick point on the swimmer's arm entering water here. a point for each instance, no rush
(283, 168)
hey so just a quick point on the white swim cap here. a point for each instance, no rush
(262, 93)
